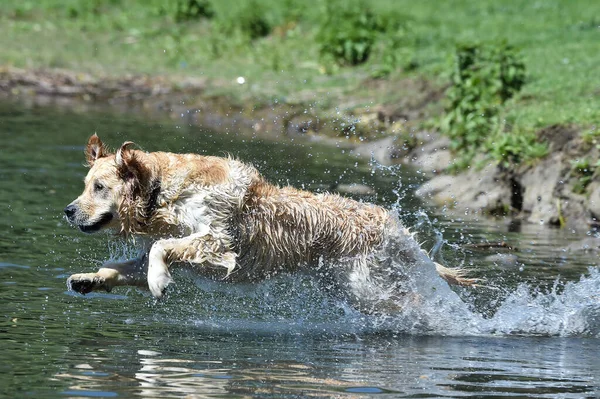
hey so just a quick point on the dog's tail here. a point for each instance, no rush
(455, 276)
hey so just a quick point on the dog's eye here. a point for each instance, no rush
(98, 186)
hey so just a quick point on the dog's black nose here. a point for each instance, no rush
(70, 210)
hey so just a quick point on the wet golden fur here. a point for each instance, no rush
(221, 216)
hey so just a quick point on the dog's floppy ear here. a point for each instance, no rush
(131, 165)
(95, 149)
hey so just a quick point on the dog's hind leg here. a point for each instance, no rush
(196, 249)
(129, 273)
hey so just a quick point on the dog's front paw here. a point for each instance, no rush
(158, 281)
(86, 283)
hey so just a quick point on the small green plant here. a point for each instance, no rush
(90, 9)
(180, 10)
(484, 78)
(349, 31)
(584, 171)
(513, 148)
(591, 137)
(397, 52)
(23, 11)
(235, 31)
(294, 10)
(252, 20)
(193, 10)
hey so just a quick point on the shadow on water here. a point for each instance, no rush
(532, 331)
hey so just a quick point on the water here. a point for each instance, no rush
(532, 331)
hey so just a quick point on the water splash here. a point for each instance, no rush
(573, 310)
(567, 309)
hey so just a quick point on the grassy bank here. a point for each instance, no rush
(280, 47)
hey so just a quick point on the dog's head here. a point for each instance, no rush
(112, 181)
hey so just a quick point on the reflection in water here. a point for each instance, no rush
(159, 376)
(533, 331)
(348, 367)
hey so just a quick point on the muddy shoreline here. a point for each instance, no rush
(543, 193)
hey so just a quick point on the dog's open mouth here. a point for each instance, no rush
(92, 228)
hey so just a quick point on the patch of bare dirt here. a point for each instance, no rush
(62, 83)
(413, 98)
(564, 138)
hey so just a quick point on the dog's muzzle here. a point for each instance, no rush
(74, 217)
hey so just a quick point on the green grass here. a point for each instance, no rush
(559, 41)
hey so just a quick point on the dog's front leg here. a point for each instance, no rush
(198, 249)
(131, 273)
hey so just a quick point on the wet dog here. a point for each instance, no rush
(220, 216)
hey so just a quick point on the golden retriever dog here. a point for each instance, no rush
(220, 216)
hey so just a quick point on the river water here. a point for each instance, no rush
(532, 330)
